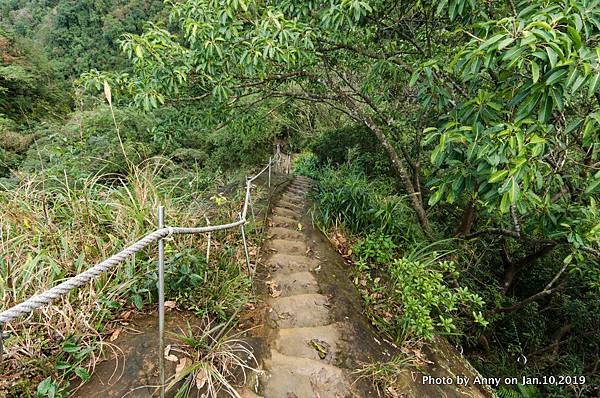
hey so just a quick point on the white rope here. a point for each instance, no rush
(76, 281)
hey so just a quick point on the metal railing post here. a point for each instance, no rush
(209, 238)
(245, 246)
(1, 346)
(270, 161)
(161, 302)
(250, 199)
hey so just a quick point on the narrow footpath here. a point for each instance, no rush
(314, 336)
(309, 349)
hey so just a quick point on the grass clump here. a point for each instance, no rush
(214, 358)
(53, 228)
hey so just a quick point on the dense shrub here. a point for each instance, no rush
(347, 196)
(420, 285)
(355, 145)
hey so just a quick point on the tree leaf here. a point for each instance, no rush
(552, 56)
(535, 72)
(594, 83)
(82, 373)
(498, 176)
(575, 36)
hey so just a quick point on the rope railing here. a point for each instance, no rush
(62, 289)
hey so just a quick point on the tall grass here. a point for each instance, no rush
(52, 228)
(348, 197)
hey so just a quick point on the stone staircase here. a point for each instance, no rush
(306, 339)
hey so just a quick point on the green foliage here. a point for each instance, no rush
(532, 79)
(30, 88)
(306, 164)
(216, 292)
(355, 145)
(78, 35)
(376, 248)
(59, 225)
(347, 196)
(520, 391)
(429, 304)
(87, 144)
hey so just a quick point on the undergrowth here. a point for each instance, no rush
(53, 228)
(409, 290)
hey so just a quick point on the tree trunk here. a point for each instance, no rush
(413, 194)
(514, 267)
(466, 221)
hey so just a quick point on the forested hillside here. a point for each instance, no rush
(454, 147)
(78, 35)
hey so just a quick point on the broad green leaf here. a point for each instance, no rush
(556, 76)
(594, 84)
(82, 373)
(575, 36)
(552, 56)
(535, 71)
(498, 176)
(505, 203)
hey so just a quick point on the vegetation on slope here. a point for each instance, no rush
(465, 127)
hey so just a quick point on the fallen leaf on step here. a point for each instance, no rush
(115, 334)
(170, 304)
(168, 356)
(183, 363)
(320, 346)
(201, 378)
(392, 391)
(127, 314)
(274, 290)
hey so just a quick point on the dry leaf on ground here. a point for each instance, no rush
(274, 290)
(115, 334)
(170, 304)
(201, 378)
(183, 363)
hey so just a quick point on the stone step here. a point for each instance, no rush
(301, 185)
(246, 393)
(301, 310)
(280, 221)
(282, 211)
(287, 246)
(320, 343)
(295, 196)
(294, 377)
(290, 205)
(303, 179)
(295, 283)
(288, 263)
(298, 201)
(285, 233)
(297, 191)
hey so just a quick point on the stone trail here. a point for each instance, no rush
(304, 353)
